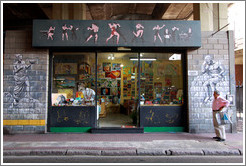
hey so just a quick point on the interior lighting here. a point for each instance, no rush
(123, 49)
(111, 57)
(143, 59)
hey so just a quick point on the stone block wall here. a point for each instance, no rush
(201, 83)
(25, 84)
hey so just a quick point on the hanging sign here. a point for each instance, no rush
(116, 33)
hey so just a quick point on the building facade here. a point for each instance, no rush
(165, 94)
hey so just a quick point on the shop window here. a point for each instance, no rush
(161, 79)
(73, 79)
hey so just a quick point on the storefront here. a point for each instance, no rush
(120, 75)
(115, 76)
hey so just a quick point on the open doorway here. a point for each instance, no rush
(117, 93)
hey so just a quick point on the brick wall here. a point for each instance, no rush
(200, 113)
(29, 113)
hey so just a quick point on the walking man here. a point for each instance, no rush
(218, 104)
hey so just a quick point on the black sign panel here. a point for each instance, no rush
(115, 33)
(69, 116)
(161, 116)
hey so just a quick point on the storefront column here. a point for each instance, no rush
(206, 16)
(223, 16)
(212, 16)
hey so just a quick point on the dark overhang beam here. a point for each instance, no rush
(159, 10)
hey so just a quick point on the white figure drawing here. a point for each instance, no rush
(94, 29)
(157, 28)
(139, 33)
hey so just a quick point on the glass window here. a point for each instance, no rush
(73, 79)
(161, 79)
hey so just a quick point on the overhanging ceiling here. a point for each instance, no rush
(21, 14)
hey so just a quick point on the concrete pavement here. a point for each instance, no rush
(151, 144)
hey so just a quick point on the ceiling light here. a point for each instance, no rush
(124, 49)
(121, 65)
(143, 59)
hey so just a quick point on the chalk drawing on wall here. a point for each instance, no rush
(20, 97)
(212, 73)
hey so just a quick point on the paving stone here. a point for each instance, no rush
(48, 152)
(16, 152)
(177, 152)
(221, 152)
(119, 152)
(151, 152)
(84, 152)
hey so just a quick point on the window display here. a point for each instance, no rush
(73, 79)
(161, 79)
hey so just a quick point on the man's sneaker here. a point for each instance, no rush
(220, 140)
(216, 137)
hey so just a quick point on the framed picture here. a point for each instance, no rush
(105, 91)
(106, 67)
(65, 68)
(231, 98)
(56, 97)
(65, 82)
(68, 92)
(116, 66)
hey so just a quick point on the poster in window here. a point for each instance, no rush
(105, 91)
(116, 66)
(113, 74)
(65, 68)
(68, 92)
(65, 82)
(56, 97)
(106, 67)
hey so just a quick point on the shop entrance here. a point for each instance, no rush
(117, 92)
(102, 90)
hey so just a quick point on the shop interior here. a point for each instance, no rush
(74, 76)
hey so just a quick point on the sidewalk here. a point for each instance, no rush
(121, 144)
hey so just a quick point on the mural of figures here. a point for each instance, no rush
(139, 33)
(167, 36)
(51, 32)
(94, 30)
(189, 33)
(173, 34)
(115, 32)
(185, 36)
(48, 33)
(64, 31)
(215, 72)
(157, 28)
(21, 89)
(73, 30)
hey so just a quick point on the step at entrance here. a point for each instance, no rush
(117, 130)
